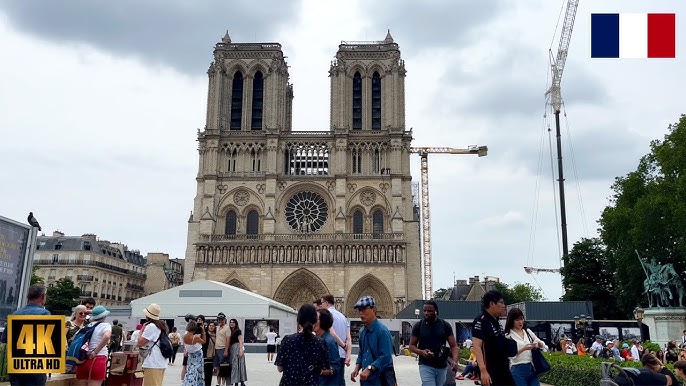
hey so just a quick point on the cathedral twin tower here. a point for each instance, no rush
(294, 215)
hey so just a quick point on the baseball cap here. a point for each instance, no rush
(598, 337)
(221, 315)
(609, 342)
(365, 301)
(625, 345)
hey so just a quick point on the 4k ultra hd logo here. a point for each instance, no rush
(35, 344)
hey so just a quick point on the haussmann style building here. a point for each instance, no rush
(293, 215)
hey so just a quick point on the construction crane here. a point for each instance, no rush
(426, 213)
(557, 66)
(537, 270)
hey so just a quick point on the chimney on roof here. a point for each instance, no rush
(473, 280)
(57, 233)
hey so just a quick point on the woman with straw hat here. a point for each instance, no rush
(94, 370)
(154, 363)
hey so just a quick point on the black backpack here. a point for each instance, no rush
(165, 345)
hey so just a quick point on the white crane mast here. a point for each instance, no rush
(557, 64)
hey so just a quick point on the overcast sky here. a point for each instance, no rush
(100, 103)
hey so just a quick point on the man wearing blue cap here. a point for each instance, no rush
(376, 353)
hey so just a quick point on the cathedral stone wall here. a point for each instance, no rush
(294, 215)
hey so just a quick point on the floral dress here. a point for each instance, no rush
(195, 373)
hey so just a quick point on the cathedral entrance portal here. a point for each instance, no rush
(300, 287)
(370, 285)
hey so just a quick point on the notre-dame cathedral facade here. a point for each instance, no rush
(294, 215)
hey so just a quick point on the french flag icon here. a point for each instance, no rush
(633, 35)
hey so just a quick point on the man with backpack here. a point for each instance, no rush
(117, 333)
(428, 340)
(37, 296)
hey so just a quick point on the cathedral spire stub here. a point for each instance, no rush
(226, 39)
(389, 38)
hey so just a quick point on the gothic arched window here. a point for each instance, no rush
(357, 101)
(358, 226)
(252, 223)
(255, 158)
(377, 223)
(236, 101)
(376, 101)
(257, 101)
(230, 227)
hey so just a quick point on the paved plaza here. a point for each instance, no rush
(261, 373)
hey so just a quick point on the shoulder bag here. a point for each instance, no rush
(539, 362)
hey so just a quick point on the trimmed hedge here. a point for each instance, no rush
(572, 370)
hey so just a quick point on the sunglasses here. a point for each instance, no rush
(82, 313)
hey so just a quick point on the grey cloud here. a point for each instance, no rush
(177, 33)
(435, 23)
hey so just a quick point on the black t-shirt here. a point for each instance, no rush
(432, 336)
(644, 378)
(675, 380)
(234, 337)
(488, 329)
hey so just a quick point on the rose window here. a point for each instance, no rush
(306, 212)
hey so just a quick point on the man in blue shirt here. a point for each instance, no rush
(35, 306)
(376, 353)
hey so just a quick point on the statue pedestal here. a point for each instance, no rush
(665, 323)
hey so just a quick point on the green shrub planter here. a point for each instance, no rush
(572, 370)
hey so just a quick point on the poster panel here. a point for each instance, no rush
(256, 329)
(15, 248)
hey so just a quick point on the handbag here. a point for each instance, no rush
(225, 368)
(539, 362)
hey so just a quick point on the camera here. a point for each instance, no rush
(200, 326)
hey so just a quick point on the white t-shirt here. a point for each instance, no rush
(154, 360)
(271, 338)
(467, 343)
(134, 336)
(340, 327)
(96, 338)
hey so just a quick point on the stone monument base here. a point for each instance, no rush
(665, 323)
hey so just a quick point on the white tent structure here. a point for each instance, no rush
(209, 298)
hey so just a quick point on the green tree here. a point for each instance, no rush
(647, 213)
(519, 293)
(586, 276)
(62, 297)
(439, 293)
(35, 279)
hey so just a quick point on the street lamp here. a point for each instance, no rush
(583, 325)
(638, 315)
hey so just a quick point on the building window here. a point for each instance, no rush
(233, 155)
(377, 223)
(55, 258)
(356, 156)
(252, 223)
(376, 101)
(255, 157)
(358, 225)
(86, 245)
(58, 246)
(237, 101)
(357, 101)
(376, 161)
(257, 99)
(230, 228)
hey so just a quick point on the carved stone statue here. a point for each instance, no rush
(662, 283)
